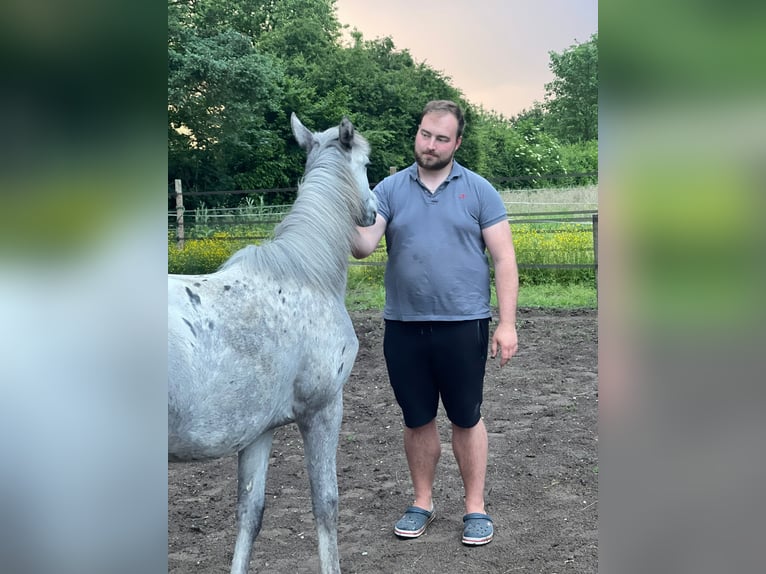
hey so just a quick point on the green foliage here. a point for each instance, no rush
(383, 91)
(533, 118)
(555, 245)
(237, 69)
(581, 157)
(572, 97)
(199, 256)
(559, 296)
(365, 289)
(508, 153)
(221, 91)
(569, 114)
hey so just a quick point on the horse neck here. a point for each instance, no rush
(316, 237)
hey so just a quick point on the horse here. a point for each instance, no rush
(266, 341)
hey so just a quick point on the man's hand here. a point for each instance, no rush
(506, 338)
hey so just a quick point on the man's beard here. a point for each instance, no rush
(431, 162)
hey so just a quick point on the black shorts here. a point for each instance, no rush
(428, 360)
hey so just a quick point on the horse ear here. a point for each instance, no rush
(346, 132)
(303, 135)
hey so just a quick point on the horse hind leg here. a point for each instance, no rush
(320, 432)
(251, 498)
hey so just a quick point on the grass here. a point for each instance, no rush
(554, 296)
(361, 296)
(365, 291)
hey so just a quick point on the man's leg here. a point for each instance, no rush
(470, 446)
(422, 446)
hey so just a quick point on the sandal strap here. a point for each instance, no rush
(476, 516)
(418, 510)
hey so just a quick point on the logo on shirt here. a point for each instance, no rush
(461, 196)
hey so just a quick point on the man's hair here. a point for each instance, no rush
(448, 107)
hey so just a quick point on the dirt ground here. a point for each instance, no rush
(541, 412)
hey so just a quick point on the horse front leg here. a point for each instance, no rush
(320, 432)
(251, 498)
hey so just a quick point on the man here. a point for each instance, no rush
(438, 218)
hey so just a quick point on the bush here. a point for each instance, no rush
(580, 157)
(200, 255)
(549, 244)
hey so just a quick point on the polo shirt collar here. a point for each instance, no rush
(456, 171)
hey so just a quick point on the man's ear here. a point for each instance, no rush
(459, 141)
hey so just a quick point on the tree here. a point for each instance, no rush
(572, 97)
(238, 68)
(222, 93)
(532, 118)
(383, 90)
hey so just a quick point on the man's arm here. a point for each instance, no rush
(500, 245)
(367, 238)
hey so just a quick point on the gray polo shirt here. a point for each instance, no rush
(437, 268)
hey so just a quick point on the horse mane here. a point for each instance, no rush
(313, 242)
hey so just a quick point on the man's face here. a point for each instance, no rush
(436, 141)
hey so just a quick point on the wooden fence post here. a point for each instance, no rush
(595, 249)
(179, 215)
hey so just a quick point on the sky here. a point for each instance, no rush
(496, 52)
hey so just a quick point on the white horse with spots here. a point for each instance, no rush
(266, 341)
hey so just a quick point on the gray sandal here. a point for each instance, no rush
(414, 522)
(477, 529)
